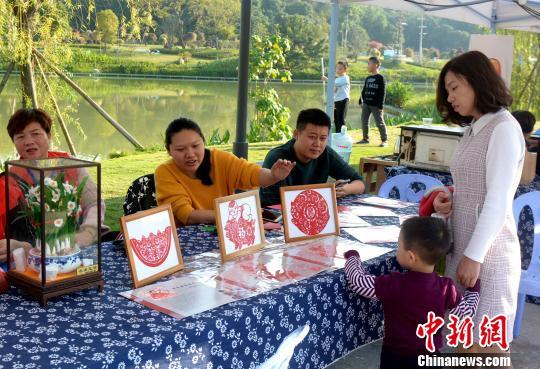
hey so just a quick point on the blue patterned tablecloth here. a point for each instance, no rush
(104, 330)
(526, 221)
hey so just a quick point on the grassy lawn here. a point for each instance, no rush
(117, 174)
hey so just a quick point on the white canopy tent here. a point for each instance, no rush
(521, 15)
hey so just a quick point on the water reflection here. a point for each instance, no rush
(145, 107)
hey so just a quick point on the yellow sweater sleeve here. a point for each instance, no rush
(239, 173)
(170, 191)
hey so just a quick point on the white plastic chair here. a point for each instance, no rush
(530, 278)
(403, 184)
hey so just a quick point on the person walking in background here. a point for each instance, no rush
(342, 91)
(372, 101)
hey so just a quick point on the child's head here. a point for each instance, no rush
(341, 68)
(373, 64)
(526, 120)
(423, 241)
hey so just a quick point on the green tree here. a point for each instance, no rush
(107, 26)
(309, 39)
(526, 71)
(267, 61)
(217, 19)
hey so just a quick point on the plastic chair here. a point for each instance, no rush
(141, 195)
(530, 278)
(411, 187)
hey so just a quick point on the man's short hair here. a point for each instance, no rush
(314, 116)
(375, 60)
(525, 119)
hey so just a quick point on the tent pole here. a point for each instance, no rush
(240, 146)
(493, 23)
(332, 63)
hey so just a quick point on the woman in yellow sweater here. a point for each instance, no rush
(195, 176)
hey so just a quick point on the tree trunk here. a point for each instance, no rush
(29, 97)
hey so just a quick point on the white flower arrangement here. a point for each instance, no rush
(62, 212)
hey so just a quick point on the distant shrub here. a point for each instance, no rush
(398, 93)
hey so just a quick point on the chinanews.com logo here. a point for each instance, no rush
(492, 331)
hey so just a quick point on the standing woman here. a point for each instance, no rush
(486, 170)
(342, 92)
(195, 175)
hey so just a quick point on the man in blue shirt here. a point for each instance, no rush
(315, 161)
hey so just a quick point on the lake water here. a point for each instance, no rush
(145, 108)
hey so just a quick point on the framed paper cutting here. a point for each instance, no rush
(239, 224)
(309, 211)
(151, 244)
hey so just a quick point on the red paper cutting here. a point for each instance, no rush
(240, 225)
(154, 249)
(309, 212)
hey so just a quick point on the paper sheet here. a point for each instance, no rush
(368, 211)
(175, 297)
(348, 219)
(382, 234)
(380, 201)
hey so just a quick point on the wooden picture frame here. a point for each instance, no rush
(154, 227)
(314, 220)
(245, 210)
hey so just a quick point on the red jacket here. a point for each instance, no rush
(426, 204)
(15, 194)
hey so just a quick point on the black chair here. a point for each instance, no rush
(141, 195)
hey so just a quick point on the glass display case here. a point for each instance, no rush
(53, 226)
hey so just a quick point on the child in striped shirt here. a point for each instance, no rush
(408, 297)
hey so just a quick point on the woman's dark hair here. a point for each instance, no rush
(23, 117)
(180, 124)
(427, 236)
(525, 119)
(490, 91)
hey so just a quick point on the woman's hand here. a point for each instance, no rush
(14, 244)
(324, 78)
(3, 250)
(467, 272)
(442, 204)
(87, 235)
(281, 169)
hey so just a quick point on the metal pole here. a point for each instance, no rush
(332, 63)
(493, 23)
(240, 146)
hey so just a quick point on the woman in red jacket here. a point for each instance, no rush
(30, 131)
